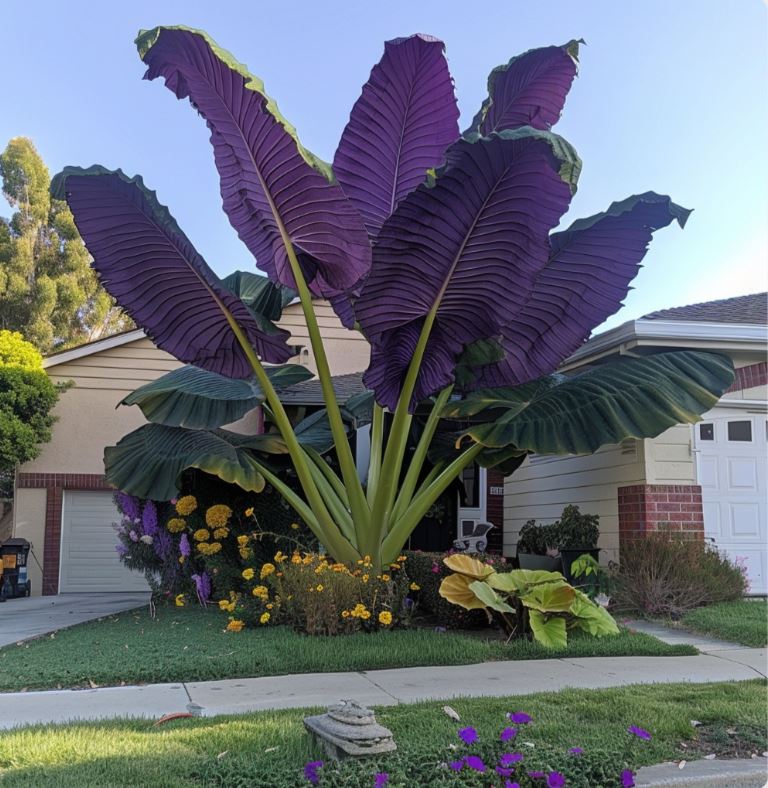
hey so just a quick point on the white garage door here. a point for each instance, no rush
(731, 446)
(89, 561)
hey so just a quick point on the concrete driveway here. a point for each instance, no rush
(29, 617)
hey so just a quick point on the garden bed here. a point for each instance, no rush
(269, 749)
(744, 621)
(189, 644)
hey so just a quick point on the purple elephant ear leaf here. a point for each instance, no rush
(150, 267)
(398, 129)
(530, 90)
(272, 187)
(585, 281)
(466, 248)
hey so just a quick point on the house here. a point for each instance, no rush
(707, 480)
(61, 499)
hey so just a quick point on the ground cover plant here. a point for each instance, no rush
(190, 644)
(435, 244)
(743, 621)
(272, 750)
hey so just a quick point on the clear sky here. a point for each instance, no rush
(672, 96)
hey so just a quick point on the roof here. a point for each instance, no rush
(310, 392)
(746, 310)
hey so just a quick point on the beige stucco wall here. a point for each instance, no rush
(29, 523)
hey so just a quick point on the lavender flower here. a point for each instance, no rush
(639, 732)
(122, 550)
(184, 547)
(475, 762)
(468, 735)
(149, 519)
(203, 588)
(134, 537)
(555, 780)
(310, 771)
(627, 778)
(163, 544)
(128, 505)
(507, 734)
(519, 717)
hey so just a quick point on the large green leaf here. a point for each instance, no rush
(556, 597)
(446, 447)
(195, 398)
(521, 580)
(147, 462)
(550, 632)
(489, 597)
(631, 398)
(455, 588)
(592, 618)
(260, 295)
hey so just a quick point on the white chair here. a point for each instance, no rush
(474, 538)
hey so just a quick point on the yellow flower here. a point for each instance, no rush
(218, 516)
(227, 605)
(214, 548)
(201, 535)
(385, 618)
(242, 540)
(264, 618)
(186, 505)
(266, 571)
(385, 578)
(181, 559)
(221, 533)
(296, 558)
(365, 615)
(365, 578)
(261, 591)
(249, 511)
(394, 567)
(280, 557)
(414, 587)
(402, 558)
(179, 600)
(295, 526)
(345, 613)
(235, 625)
(339, 568)
(176, 524)
(245, 553)
(320, 587)
(248, 573)
(270, 606)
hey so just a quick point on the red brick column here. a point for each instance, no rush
(748, 377)
(494, 510)
(651, 508)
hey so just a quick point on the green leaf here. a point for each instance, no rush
(195, 398)
(631, 398)
(521, 580)
(592, 618)
(489, 597)
(477, 354)
(260, 295)
(444, 447)
(455, 589)
(550, 632)
(148, 462)
(554, 597)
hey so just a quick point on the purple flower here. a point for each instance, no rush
(510, 757)
(408, 602)
(128, 505)
(555, 780)
(122, 550)
(184, 547)
(536, 775)
(310, 771)
(133, 536)
(475, 762)
(500, 770)
(163, 544)
(203, 588)
(507, 734)
(149, 519)
(627, 778)
(508, 784)
(468, 735)
(519, 717)
(639, 732)
(576, 751)
(457, 766)
(380, 780)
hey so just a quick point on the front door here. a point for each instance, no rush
(472, 509)
(731, 468)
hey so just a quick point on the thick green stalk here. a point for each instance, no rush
(417, 461)
(402, 529)
(333, 479)
(335, 506)
(374, 460)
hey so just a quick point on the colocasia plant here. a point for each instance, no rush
(435, 244)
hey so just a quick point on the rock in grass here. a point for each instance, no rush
(350, 730)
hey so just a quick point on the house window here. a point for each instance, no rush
(707, 432)
(469, 477)
(740, 431)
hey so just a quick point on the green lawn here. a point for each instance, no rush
(269, 749)
(184, 644)
(744, 622)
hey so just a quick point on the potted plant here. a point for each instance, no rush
(537, 547)
(577, 534)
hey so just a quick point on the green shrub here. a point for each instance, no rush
(660, 575)
(574, 529)
(536, 539)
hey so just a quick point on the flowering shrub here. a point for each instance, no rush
(307, 592)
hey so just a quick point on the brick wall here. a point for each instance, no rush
(495, 510)
(650, 508)
(751, 376)
(54, 484)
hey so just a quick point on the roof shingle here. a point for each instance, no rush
(747, 309)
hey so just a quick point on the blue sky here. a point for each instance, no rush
(672, 96)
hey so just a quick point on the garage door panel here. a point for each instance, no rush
(89, 561)
(742, 474)
(744, 520)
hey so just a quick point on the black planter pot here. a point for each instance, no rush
(569, 555)
(533, 561)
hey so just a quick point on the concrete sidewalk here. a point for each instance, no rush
(378, 687)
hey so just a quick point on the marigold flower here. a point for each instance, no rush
(270, 606)
(264, 618)
(365, 615)
(214, 548)
(218, 515)
(248, 573)
(402, 558)
(266, 571)
(261, 591)
(176, 524)
(279, 557)
(414, 587)
(385, 618)
(345, 613)
(249, 511)
(221, 533)
(364, 578)
(179, 600)
(201, 535)
(226, 605)
(242, 540)
(295, 558)
(235, 625)
(320, 587)
(394, 567)
(245, 553)
(385, 578)
(186, 505)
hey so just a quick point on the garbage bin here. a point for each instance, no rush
(14, 580)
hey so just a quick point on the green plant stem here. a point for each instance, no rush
(374, 461)
(331, 499)
(327, 471)
(421, 503)
(417, 461)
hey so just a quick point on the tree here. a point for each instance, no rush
(48, 291)
(436, 246)
(27, 398)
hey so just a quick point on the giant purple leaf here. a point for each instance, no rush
(590, 267)
(272, 187)
(468, 247)
(530, 90)
(151, 268)
(398, 129)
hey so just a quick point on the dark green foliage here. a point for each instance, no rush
(575, 529)
(661, 575)
(536, 539)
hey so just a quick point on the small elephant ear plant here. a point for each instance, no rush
(525, 600)
(435, 244)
